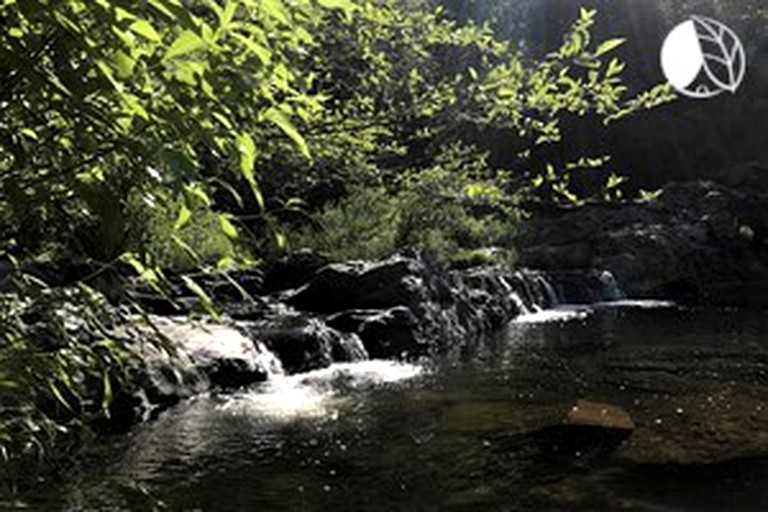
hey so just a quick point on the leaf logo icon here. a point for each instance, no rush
(703, 58)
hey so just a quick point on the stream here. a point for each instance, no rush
(458, 434)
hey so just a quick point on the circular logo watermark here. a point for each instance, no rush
(703, 58)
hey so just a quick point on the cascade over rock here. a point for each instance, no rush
(697, 241)
(405, 307)
(303, 343)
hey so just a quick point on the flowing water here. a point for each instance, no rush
(460, 434)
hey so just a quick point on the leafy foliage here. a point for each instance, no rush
(402, 93)
(101, 98)
(60, 364)
(452, 208)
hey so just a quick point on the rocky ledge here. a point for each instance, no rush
(406, 307)
(699, 242)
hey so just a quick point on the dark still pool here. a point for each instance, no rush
(487, 429)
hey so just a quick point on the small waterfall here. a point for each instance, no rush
(515, 295)
(526, 291)
(319, 393)
(535, 291)
(552, 300)
(268, 360)
(544, 297)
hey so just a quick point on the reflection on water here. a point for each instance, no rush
(463, 435)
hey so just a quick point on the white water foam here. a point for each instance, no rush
(318, 394)
(638, 304)
(564, 313)
(570, 312)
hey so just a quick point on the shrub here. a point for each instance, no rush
(364, 225)
(180, 234)
(451, 208)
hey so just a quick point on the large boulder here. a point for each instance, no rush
(361, 285)
(293, 270)
(303, 343)
(391, 333)
(588, 430)
(223, 354)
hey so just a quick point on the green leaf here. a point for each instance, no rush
(346, 5)
(587, 14)
(281, 121)
(226, 263)
(145, 29)
(59, 397)
(148, 275)
(609, 45)
(204, 297)
(106, 398)
(247, 148)
(187, 42)
(276, 10)
(184, 216)
(134, 107)
(196, 190)
(281, 240)
(28, 132)
(162, 7)
(614, 181)
(106, 70)
(123, 64)
(262, 52)
(227, 14)
(615, 67)
(227, 227)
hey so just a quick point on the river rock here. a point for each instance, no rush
(360, 285)
(599, 415)
(588, 429)
(227, 357)
(293, 271)
(303, 343)
(408, 305)
(391, 333)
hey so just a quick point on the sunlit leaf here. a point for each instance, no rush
(205, 299)
(276, 9)
(609, 46)
(184, 217)
(186, 43)
(247, 148)
(145, 29)
(227, 227)
(106, 397)
(282, 122)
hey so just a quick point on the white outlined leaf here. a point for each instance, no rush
(721, 47)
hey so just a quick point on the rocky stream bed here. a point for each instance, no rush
(592, 374)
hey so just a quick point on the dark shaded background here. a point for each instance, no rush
(725, 138)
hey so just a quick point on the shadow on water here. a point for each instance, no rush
(479, 430)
